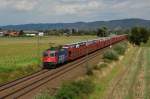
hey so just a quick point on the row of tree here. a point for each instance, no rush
(69, 32)
(101, 32)
(139, 35)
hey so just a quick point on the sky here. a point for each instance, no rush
(58, 11)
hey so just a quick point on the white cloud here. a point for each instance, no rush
(19, 5)
(25, 5)
(72, 10)
(77, 8)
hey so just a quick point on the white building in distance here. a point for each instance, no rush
(33, 33)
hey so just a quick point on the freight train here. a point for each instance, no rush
(55, 56)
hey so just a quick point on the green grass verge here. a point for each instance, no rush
(147, 69)
(147, 74)
(136, 66)
(102, 84)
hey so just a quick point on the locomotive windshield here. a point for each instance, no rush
(52, 54)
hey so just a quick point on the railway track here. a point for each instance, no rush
(21, 87)
(15, 82)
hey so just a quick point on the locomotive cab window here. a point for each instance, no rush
(52, 54)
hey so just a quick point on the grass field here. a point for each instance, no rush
(147, 74)
(103, 84)
(147, 70)
(21, 56)
(134, 84)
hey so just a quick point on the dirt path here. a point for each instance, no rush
(136, 89)
(129, 82)
(139, 86)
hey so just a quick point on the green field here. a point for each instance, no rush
(21, 56)
(147, 71)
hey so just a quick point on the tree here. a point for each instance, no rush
(21, 33)
(73, 31)
(139, 35)
(102, 32)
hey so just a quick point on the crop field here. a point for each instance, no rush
(21, 56)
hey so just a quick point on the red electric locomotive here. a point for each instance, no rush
(54, 56)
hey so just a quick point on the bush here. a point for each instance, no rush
(100, 66)
(120, 48)
(89, 70)
(111, 55)
(75, 90)
(103, 65)
(107, 61)
(44, 95)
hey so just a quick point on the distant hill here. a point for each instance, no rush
(114, 24)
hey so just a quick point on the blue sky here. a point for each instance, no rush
(55, 11)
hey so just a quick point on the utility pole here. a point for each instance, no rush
(38, 49)
(88, 68)
(87, 63)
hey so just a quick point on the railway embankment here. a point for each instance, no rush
(95, 84)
